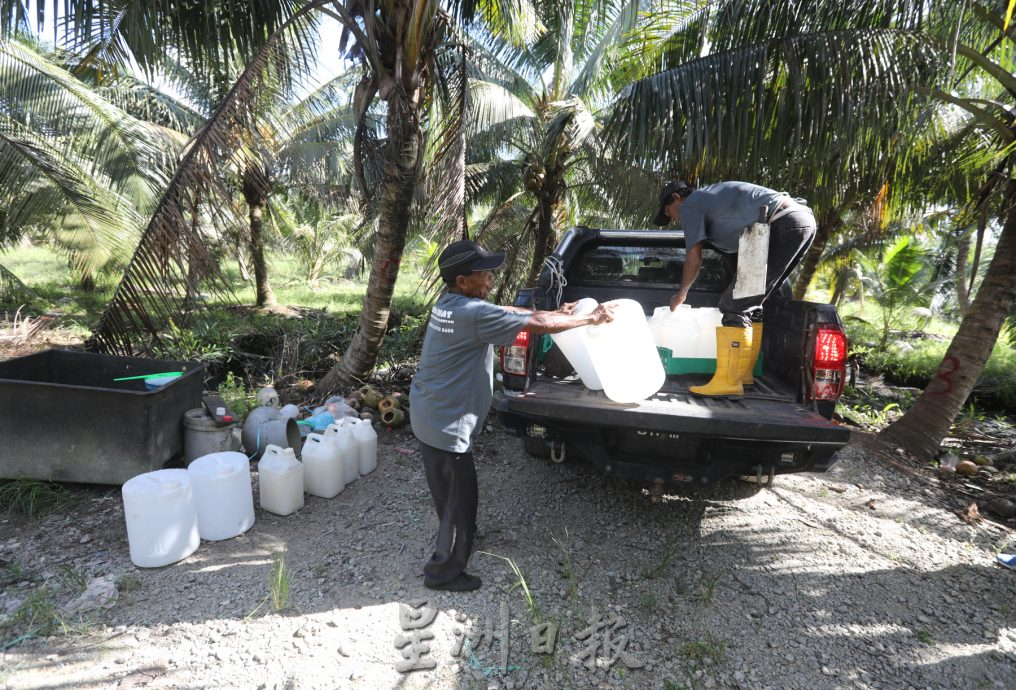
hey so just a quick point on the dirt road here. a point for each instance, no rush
(861, 577)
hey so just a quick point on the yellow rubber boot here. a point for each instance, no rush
(747, 375)
(733, 345)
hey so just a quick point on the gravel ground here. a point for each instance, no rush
(861, 577)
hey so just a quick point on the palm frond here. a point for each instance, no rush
(161, 280)
(12, 290)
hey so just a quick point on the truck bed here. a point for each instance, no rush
(768, 411)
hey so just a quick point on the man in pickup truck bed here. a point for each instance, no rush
(715, 215)
(453, 389)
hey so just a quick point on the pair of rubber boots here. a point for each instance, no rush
(736, 353)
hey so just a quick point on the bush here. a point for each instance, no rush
(914, 363)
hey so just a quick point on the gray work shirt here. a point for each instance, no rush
(719, 212)
(454, 384)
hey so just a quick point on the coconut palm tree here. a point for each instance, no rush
(72, 161)
(412, 57)
(537, 159)
(983, 42)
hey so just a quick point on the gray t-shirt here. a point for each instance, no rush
(454, 384)
(719, 212)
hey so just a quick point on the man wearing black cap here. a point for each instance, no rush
(452, 391)
(715, 215)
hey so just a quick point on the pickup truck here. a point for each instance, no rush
(781, 425)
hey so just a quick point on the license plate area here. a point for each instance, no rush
(657, 444)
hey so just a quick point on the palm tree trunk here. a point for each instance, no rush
(263, 291)
(256, 188)
(923, 427)
(806, 269)
(400, 178)
(962, 252)
(546, 239)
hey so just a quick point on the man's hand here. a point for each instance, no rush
(678, 299)
(602, 314)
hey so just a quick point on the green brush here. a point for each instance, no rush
(150, 376)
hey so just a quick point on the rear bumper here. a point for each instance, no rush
(684, 442)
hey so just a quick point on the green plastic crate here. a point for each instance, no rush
(694, 365)
(671, 365)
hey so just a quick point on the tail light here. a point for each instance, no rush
(515, 357)
(830, 365)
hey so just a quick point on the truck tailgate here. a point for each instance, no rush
(766, 414)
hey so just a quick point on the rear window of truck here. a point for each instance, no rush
(611, 265)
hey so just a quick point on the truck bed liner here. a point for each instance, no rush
(768, 411)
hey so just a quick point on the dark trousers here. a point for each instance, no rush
(789, 240)
(452, 481)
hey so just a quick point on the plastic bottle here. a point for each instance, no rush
(323, 472)
(341, 435)
(676, 330)
(225, 504)
(624, 355)
(574, 345)
(162, 518)
(280, 481)
(366, 441)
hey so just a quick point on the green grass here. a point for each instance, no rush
(235, 339)
(709, 647)
(536, 614)
(242, 347)
(914, 361)
(707, 588)
(33, 498)
(278, 581)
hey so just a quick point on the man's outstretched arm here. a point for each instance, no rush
(692, 263)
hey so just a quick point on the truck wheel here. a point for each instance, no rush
(537, 447)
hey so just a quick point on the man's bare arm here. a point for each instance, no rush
(692, 264)
(557, 322)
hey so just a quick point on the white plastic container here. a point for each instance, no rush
(223, 494)
(324, 474)
(676, 330)
(280, 481)
(366, 443)
(341, 435)
(161, 516)
(574, 345)
(708, 319)
(624, 355)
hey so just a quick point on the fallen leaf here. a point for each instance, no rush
(970, 514)
(838, 489)
(870, 503)
(405, 451)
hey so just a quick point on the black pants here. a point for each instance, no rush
(789, 240)
(452, 481)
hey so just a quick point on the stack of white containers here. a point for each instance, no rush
(168, 512)
(689, 333)
(337, 458)
(619, 356)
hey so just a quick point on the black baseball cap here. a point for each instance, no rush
(679, 187)
(462, 257)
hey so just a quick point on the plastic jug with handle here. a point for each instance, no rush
(324, 474)
(575, 347)
(707, 319)
(162, 517)
(280, 481)
(340, 434)
(624, 355)
(222, 490)
(366, 442)
(675, 330)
